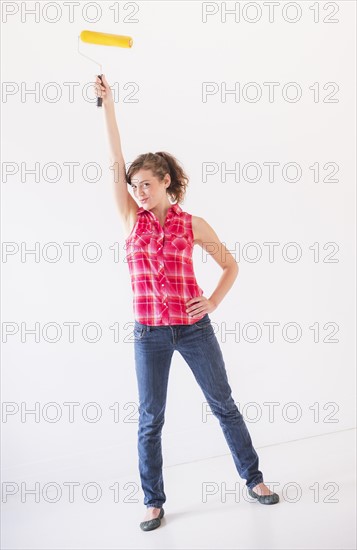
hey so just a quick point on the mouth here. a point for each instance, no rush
(143, 201)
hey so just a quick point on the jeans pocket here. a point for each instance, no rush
(203, 323)
(139, 333)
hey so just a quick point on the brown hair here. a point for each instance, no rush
(160, 164)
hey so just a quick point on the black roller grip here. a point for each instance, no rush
(99, 99)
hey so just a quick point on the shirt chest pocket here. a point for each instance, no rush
(140, 243)
(143, 240)
(179, 238)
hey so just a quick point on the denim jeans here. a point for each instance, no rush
(198, 345)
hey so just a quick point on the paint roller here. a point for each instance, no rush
(103, 39)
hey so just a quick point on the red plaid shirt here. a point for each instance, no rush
(161, 268)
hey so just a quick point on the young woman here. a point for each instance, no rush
(170, 310)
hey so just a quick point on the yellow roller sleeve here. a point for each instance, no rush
(105, 39)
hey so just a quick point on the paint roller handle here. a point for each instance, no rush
(103, 91)
(99, 99)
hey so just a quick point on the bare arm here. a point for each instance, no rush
(126, 204)
(207, 238)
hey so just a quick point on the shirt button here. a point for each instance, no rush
(162, 284)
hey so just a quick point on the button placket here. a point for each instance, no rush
(161, 268)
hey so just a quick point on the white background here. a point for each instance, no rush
(173, 54)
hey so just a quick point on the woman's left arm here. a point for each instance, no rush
(207, 238)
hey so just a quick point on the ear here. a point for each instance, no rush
(167, 179)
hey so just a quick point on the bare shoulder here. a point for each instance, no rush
(207, 238)
(199, 229)
(196, 224)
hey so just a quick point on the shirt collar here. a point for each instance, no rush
(174, 209)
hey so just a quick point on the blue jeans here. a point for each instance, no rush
(198, 345)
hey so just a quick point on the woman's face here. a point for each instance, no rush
(149, 190)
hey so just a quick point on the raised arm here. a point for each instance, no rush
(126, 204)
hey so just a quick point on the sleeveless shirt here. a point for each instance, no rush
(161, 268)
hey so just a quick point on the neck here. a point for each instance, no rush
(160, 211)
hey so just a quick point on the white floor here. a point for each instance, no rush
(317, 508)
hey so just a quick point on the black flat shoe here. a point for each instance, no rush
(264, 499)
(151, 524)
